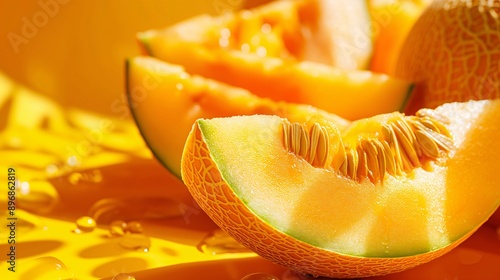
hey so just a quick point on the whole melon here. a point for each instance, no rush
(453, 53)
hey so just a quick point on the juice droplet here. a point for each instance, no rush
(134, 208)
(261, 51)
(96, 176)
(45, 268)
(225, 32)
(93, 177)
(219, 242)
(266, 28)
(75, 178)
(51, 169)
(134, 227)
(117, 228)
(24, 188)
(85, 224)
(123, 276)
(135, 241)
(37, 197)
(260, 276)
(72, 161)
(245, 48)
(179, 86)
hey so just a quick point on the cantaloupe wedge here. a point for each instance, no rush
(265, 52)
(387, 194)
(165, 101)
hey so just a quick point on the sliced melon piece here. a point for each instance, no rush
(389, 193)
(160, 91)
(331, 32)
(259, 51)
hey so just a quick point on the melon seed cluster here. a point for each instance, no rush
(406, 142)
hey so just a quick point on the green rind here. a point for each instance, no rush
(156, 154)
(407, 98)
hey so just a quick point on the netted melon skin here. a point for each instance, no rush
(205, 183)
(453, 52)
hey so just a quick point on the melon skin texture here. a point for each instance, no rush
(317, 222)
(452, 53)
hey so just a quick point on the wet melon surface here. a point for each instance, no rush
(256, 177)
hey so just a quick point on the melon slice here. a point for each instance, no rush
(260, 51)
(160, 91)
(387, 194)
(391, 21)
(331, 32)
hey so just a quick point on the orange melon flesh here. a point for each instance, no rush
(330, 32)
(350, 94)
(392, 21)
(165, 101)
(319, 222)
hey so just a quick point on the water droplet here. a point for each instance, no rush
(134, 227)
(219, 242)
(225, 32)
(266, 28)
(261, 51)
(72, 161)
(24, 188)
(184, 76)
(469, 257)
(96, 176)
(51, 169)
(85, 224)
(75, 178)
(117, 228)
(123, 276)
(179, 86)
(45, 268)
(223, 42)
(134, 208)
(245, 48)
(135, 241)
(260, 276)
(38, 197)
